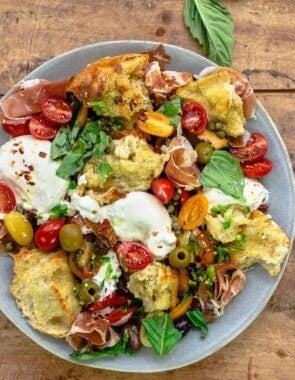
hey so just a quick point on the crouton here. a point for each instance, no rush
(265, 243)
(156, 285)
(43, 287)
(116, 81)
(134, 163)
(217, 94)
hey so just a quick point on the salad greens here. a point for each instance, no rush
(120, 348)
(92, 141)
(212, 25)
(197, 319)
(224, 173)
(161, 333)
(172, 109)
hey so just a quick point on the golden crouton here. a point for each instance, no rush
(43, 287)
(117, 81)
(134, 163)
(217, 94)
(265, 243)
(225, 227)
(156, 285)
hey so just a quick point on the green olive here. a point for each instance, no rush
(204, 151)
(70, 237)
(88, 292)
(180, 258)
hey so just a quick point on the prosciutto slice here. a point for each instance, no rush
(91, 330)
(27, 99)
(181, 167)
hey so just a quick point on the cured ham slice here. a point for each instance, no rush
(89, 329)
(181, 167)
(27, 100)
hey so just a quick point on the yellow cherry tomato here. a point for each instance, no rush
(155, 123)
(19, 228)
(193, 212)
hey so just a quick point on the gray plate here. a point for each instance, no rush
(259, 287)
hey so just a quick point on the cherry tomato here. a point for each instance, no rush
(57, 110)
(42, 128)
(194, 118)
(7, 199)
(163, 189)
(16, 129)
(85, 262)
(114, 299)
(133, 256)
(206, 254)
(120, 316)
(19, 228)
(47, 234)
(184, 195)
(253, 151)
(193, 212)
(70, 237)
(257, 169)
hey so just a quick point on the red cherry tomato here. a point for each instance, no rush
(184, 195)
(120, 316)
(7, 199)
(257, 169)
(133, 256)
(163, 189)
(194, 118)
(253, 151)
(46, 236)
(42, 128)
(16, 129)
(114, 299)
(57, 110)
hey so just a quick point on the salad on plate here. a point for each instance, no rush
(131, 202)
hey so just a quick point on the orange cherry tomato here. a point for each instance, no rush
(193, 211)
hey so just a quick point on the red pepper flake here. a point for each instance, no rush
(21, 150)
(42, 154)
(31, 183)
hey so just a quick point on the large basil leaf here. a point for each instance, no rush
(212, 25)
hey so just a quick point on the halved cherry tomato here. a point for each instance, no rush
(85, 262)
(257, 169)
(7, 199)
(47, 234)
(253, 151)
(16, 129)
(57, 110)
(114, 299)
(184, 195)
(42, 128)
(194, 118)
(133, 256)
(206, 254)
(120, 316)
(163, 189)
(193, 212)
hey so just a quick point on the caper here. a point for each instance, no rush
(218, 126)
(180, 257)
(88, 292)
(221, 134)
(204, 151)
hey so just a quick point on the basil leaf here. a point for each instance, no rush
(105, 170)
(198, 320)
(212, 25)
(172, 109)
(61, 143)
(161, 333)
(58, 211)
(224, 173)
(120, 348)
(92, 141)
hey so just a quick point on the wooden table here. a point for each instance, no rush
(32, 32)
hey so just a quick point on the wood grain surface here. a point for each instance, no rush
(33, 32)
